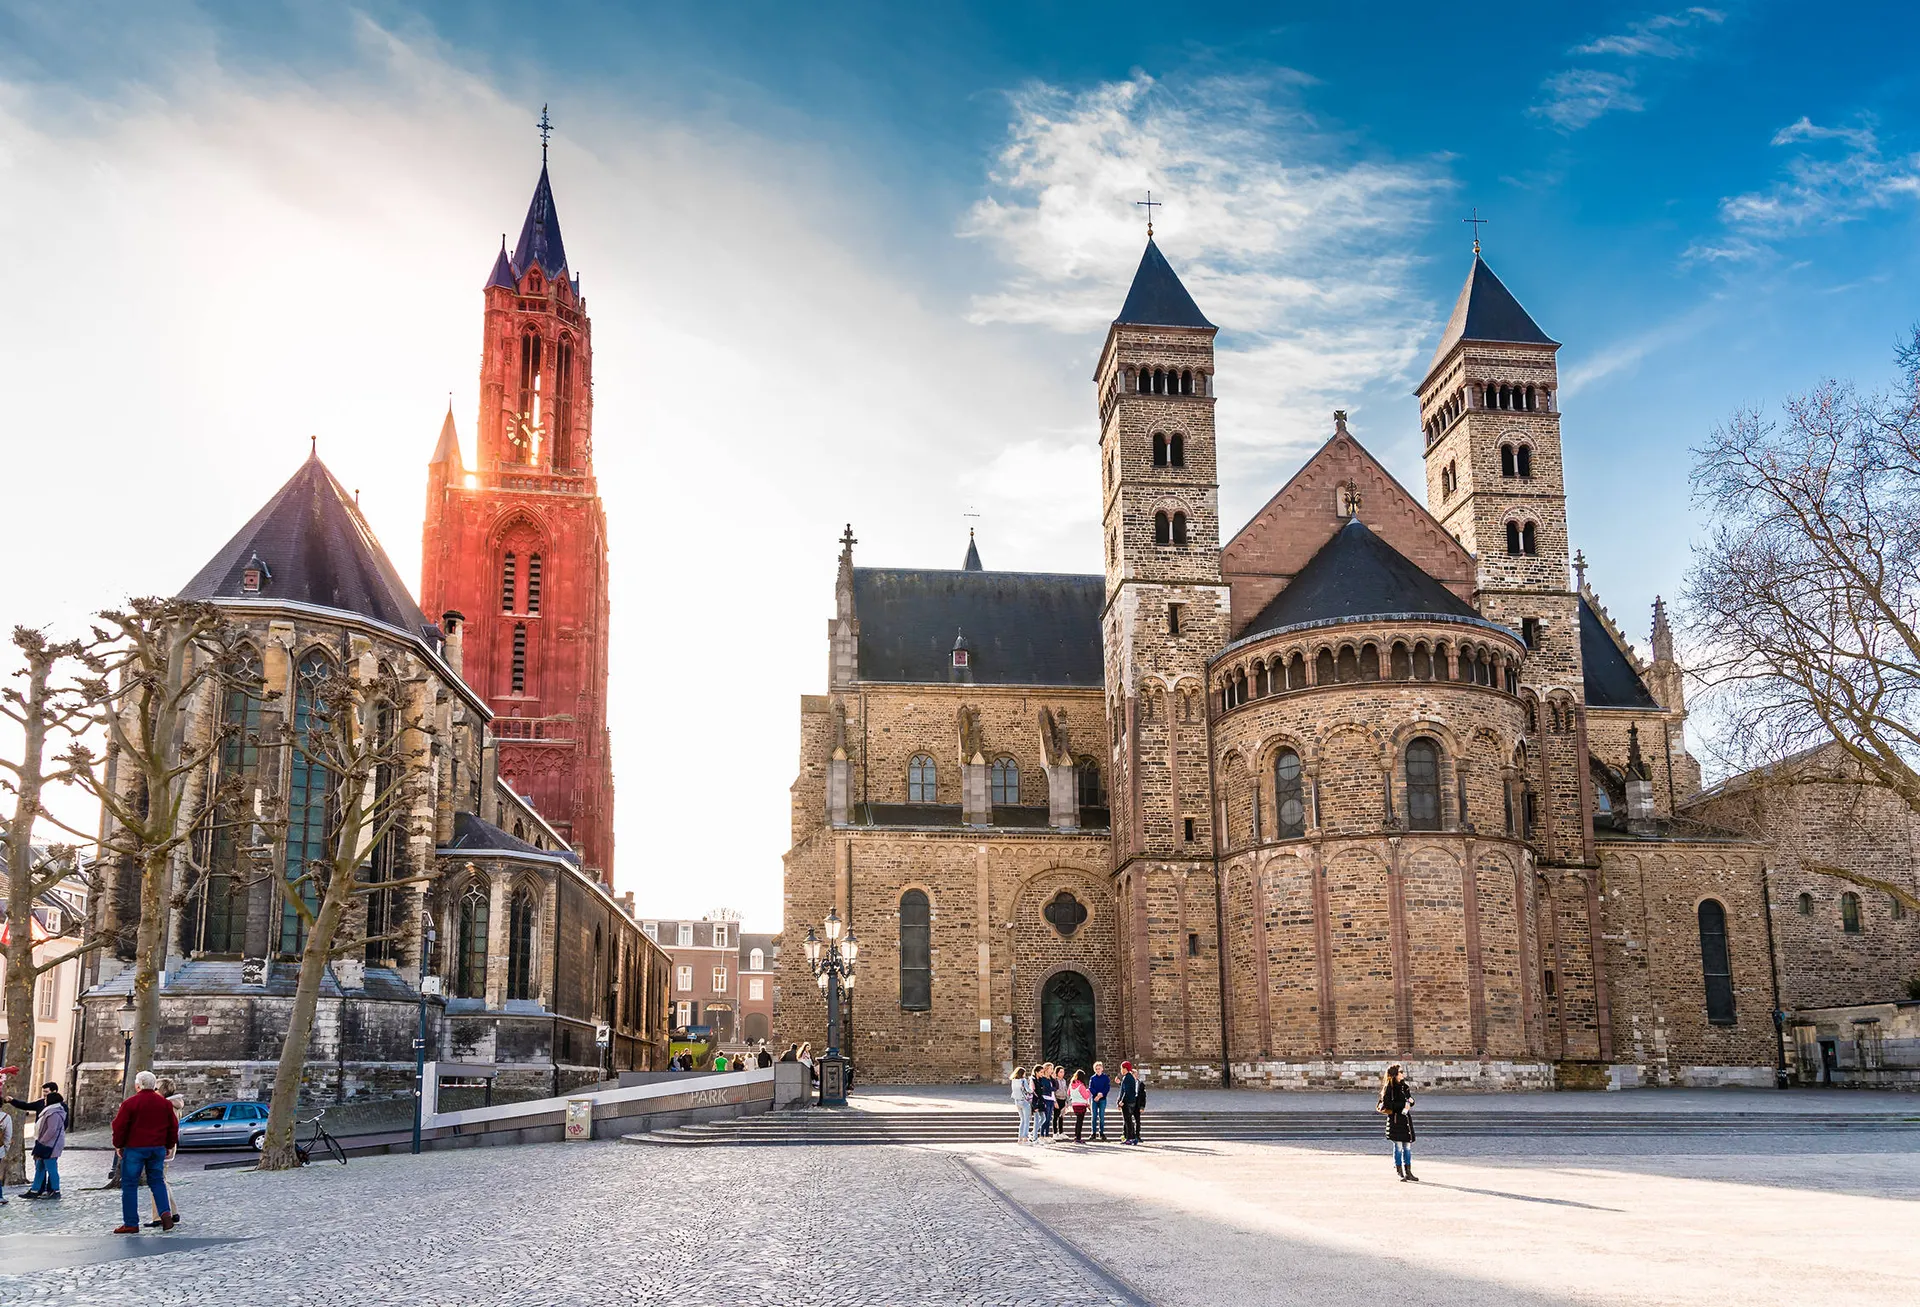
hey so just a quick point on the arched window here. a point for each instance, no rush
(1297, 672)
(1422, 663)
(1523, 458)
(520, 945)
(520, 658)
(309, 795)
(923, 780)
(1347, 668)
(533, 583)
(1513, 538)
(1289, 796)
(1323, 667)
(1533, 715)
(218, 916)
(1086, 777)
(916, 952)
(1806, 905)
(1423, 784)
(1162, 529)
(1179, 528)
(1186, 381)
(1400, 661)
(1715, 964)
(1850, 913)
(1176, 450)
(1369, 662)
(470, 962)
(757, 960)
(1529, 543)
(1003, 780)
(524, 434)
(1506, 461)
(563, 403)
(1159, 450)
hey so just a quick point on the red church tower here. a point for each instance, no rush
(518, 544)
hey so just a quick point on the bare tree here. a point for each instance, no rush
(1804, 602)
(46, 710)
(374, 763)
(152, 665)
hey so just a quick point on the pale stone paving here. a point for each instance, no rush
(569, 1223)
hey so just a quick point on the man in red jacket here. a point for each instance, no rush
(145, 1133)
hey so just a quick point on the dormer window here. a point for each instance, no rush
(960, 657)
(254, 575)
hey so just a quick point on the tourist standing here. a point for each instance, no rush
(1022, 1087)
(145, 1133)
(806, 1060)
(1099, 1087)
(1043, 1090)
(1130, 1096)
(49, 1139)
(719, 1061)
(765, 1059)
(1080, 1099)
(1396, 1104)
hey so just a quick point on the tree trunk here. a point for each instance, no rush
(150, 951)
(28, 783)
(279, 1154)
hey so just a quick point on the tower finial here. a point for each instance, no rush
(1149, 204)
(546, 130)
(1477, 223)
(1579, 570)
(313, 446)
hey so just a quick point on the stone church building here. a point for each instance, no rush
(1375, 778)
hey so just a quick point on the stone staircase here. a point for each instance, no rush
(822, 1126)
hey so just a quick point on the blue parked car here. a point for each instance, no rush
(230, 1124)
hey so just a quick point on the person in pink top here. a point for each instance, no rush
(1079, 1098)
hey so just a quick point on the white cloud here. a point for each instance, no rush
(1576, 97)
(1837, 175)
(1298, 251)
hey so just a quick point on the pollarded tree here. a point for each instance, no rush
(369, 759)
(1804, 602)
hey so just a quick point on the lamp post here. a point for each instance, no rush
(831, 961)
(125, 1018)
(428, 985)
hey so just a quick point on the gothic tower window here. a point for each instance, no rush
(220, 915)
(1850, 913)
(533, 583)
(509, 582)
(1162, 529)
(520, 658)
(563, 404)
(1176, 450)
(1423, 784)
(916, 952)
(470, 975)
(1715, 964)
(526, 437)
(384, 905)
(1506, 461)
(520, 945)
(1523, 458)
(1003, 780)
(1086, 776)
(1159, 450)
(922, 780)
(309, 799)
(1289, 796)
(1179, 528)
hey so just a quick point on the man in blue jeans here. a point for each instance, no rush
(145, 1133)
(1100, 1086)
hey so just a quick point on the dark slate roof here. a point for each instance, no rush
(1157, 299)
(1487, 310)
(1611, 680)
(208, 976)
(1355, 575)
(473, 834)
(318, 550)
(502, 274)
(972, 563)
(540, 234)
(1023, 628)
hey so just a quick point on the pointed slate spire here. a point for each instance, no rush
(448, 450)
(540, 235)
(1157, 299)
(973, 555)
(1487, 310)
(502, 274)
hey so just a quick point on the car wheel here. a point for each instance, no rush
(259, 1141)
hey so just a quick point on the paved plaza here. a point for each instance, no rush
(1751, 1216)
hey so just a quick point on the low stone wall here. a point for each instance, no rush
(1488, 1075)
(1861, 1046)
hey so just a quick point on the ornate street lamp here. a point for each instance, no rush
(831, 962)
(429, 987)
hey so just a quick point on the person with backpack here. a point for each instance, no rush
(1132, 1095)
(1396, 1104)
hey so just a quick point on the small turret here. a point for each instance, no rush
(1664, 678)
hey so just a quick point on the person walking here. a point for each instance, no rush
(765, 1058)
(1022, 1089)
(1131, 1094)
(178, 1102)
(145, 1133)
(1396, 1104)
(49, 1139)
(1099, 1087)
(1080, 1099)
(792, 1054)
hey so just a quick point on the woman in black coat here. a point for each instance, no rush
(1396, 1104)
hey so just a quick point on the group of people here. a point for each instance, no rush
(146, 1134)
(1044, 1097)
(762, 1058)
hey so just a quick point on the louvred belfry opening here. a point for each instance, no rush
(520, 538)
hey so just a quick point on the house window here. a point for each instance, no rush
(1715, 965)
(471, 979)
(1289, 796)
(683, 1014)
(652, 931)
(916, 952)
(757, 961)
(1850, 913)
(719, 936)
(1423, 784)
(719, 980)
(756, 988)
(686, 934)
(1004, 782)
(923, 780)
(49, 995)
(683, 979)
(520, 945)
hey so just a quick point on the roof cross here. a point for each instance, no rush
(546, 129)
(1477, 222)
(1149, 204)
(847, 542)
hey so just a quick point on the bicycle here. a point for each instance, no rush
(320, 1140)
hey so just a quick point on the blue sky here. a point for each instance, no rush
(854, 262)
